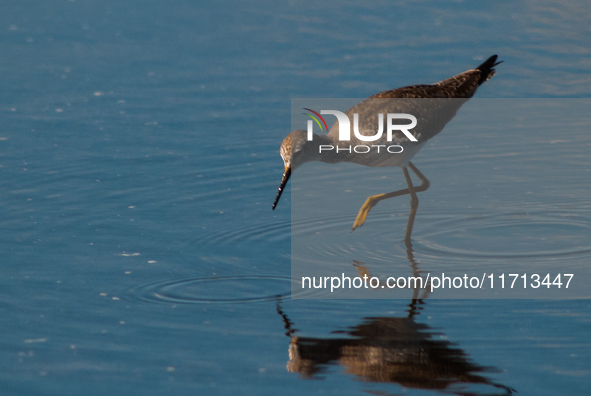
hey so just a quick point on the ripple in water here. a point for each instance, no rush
(514, 235)
(279, 231)
(217, 290)
(259, 232)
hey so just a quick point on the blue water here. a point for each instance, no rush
(139, 160)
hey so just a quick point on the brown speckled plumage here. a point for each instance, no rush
(463, 85)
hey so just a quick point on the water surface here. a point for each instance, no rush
(139, 160)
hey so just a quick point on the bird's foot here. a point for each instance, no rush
(363, 212)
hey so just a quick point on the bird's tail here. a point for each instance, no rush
(487, 68)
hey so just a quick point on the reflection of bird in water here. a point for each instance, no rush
(393, 350)
(432, 105)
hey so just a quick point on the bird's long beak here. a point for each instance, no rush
(284, 179)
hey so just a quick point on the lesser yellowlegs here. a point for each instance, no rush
(447, 96)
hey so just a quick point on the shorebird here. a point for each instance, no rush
(433, 105)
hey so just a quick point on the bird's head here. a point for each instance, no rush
(293, 151)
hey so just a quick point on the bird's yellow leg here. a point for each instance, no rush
(414, 204)
(424, 182)
(370, 202)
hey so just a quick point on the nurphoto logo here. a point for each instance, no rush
(344, 124)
